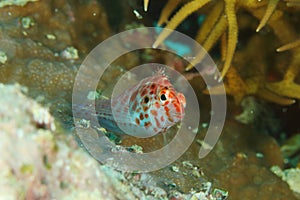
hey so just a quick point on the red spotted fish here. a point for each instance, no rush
(145, 109)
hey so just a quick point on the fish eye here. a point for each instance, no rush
(163, 97)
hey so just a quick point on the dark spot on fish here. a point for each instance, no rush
(144, 92)
(145, 108)
(146, 99)
(137, 121)
(147, 124)
(141, 116)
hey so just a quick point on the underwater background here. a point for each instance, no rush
(256, 46)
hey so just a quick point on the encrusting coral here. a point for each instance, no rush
(221, 25)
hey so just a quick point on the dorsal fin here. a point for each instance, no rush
(160, 71)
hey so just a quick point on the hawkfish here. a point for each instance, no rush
(147, 108)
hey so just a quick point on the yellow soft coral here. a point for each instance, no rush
(214, 26)
(146, 4)
(183, 13)
(212, 29)
(289, 46)
(287, 87)
(232, 34)
(270, 9)
(167, 11)
(292, 2)
(220, 24)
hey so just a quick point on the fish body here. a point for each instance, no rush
(145, 109)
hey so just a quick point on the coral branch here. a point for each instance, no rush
(289, 46)
(291, 3)
(146, 4)
(267, 95)
(270, 9)
(214, 35)
(167, 11)
(232, 34)
(210, 22)
(183, 13)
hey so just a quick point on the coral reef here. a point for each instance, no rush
(291, 176)
(36, 163)
(250, 53)
(43, 163)
(48, 42)
(39, 161)
(42, 44)
(238, 164)
(221, 24)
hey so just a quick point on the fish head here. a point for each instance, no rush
(156, 105)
